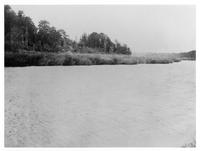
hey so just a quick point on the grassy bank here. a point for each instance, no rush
(32, 58)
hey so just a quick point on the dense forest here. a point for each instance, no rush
(22, 34)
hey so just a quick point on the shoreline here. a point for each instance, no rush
(33, 58)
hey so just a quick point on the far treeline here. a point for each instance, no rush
(44, 45)
(22, 34)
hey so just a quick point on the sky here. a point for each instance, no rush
(144, 28)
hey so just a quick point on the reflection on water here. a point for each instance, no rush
(122, 105)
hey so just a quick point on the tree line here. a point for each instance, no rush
(21, 33)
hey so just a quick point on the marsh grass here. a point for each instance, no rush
(32, 58)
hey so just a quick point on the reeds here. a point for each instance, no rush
(33, 58)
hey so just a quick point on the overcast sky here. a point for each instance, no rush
(144, 28)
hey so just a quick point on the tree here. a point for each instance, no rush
(21, 33)
(10, 19)
(49, 39)
(19, 30)
(121, 49)
(65, 40)
(103, 43)
(84, 40)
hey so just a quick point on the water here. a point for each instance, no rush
(101, 106)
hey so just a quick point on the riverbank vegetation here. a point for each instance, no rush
(44, 45)
(33, 58)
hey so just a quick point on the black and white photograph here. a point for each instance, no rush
(99, 76)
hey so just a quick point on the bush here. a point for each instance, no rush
(22, 59)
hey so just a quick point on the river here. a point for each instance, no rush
(142, 105)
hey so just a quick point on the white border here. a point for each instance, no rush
(97, 2)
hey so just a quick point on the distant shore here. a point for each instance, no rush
(34, 58)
